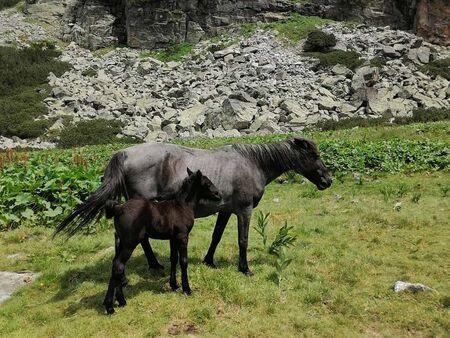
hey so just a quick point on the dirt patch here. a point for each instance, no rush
(176, 329)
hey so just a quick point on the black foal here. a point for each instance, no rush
(139, 219)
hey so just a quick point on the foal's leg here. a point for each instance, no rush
(151, 259)
(124, 279)
(243, 227)
(118, 269)
(221, 223)
(173, 264)
(182, 247)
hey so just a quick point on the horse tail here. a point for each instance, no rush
(112, 209)
(111, 188)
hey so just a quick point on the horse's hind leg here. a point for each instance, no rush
(151, 259)
(221, 223)
(243, 227)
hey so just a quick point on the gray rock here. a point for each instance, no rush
(237, 114)
(401, 286)
(189, 117)
(390, 52)
(11, 281)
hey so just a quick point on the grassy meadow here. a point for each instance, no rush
(354, 241)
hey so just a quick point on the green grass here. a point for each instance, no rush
(348, 254)
(352, 245)
(297, 27)
(175, 52)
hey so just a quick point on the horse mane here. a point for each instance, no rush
(283, 156)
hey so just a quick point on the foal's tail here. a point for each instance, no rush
(111, 188)
(112, 208)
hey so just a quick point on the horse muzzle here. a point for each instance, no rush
(324, 183)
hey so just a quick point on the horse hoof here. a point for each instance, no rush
(209, 263)
(247, 273)
(174, 287)
(109, 310)
(156, 266)
(187, 292)
(122, 303)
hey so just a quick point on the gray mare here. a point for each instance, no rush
(240, 172)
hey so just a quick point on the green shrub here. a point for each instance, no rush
(419, 115)
(8, 3)
(350, 122)
(350, 59)
(426, 115)
(99, 131)
(19, 111)
(319, 41)
(378, 61)
(23, 87)
(438, 67)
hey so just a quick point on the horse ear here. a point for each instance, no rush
(199, 174)
(189, 171)
(302, 142)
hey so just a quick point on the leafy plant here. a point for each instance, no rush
(416, 197)
(281, 264)
(262, 221)
(282, 239)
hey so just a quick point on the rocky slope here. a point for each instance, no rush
(257, 85)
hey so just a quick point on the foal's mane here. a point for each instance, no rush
(283, 156)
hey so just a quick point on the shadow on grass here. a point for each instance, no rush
(155, 281)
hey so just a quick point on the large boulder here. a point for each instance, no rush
(237, 114)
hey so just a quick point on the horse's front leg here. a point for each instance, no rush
(243, 227)
(151, 259)
(182, 247)
(221, 223)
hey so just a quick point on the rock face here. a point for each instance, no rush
(427, 18)
(154, 24)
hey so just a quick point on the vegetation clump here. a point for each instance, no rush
(349, 59)
(438, 68)
(297, 27)
(378, 61)
(23, 87)
(98, 131)
(8, 3)
(174, 52)
(319, 41)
